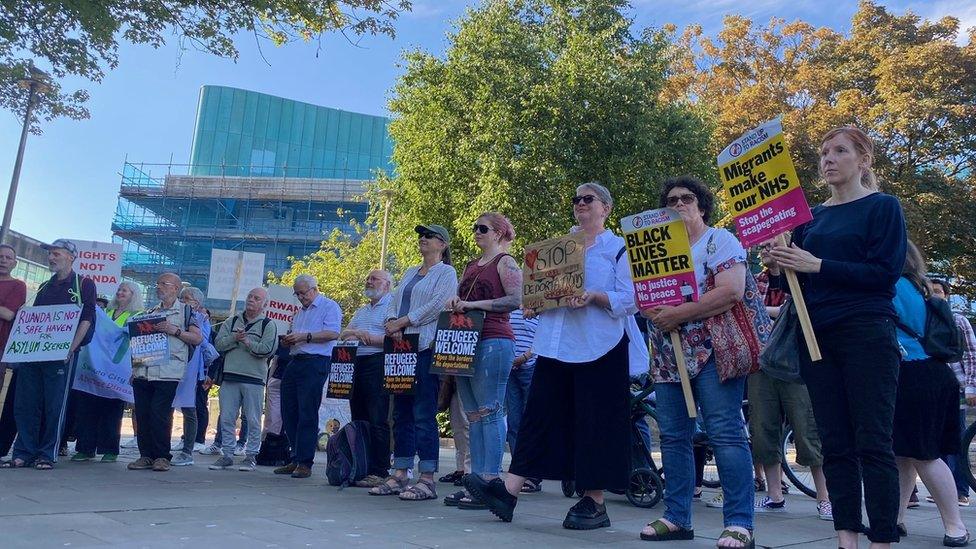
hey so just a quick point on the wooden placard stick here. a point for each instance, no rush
(679, 356)
(801, 307)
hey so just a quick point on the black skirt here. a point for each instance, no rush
(576, 424)
(926, 411)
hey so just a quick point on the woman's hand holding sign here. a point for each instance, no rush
(666, 317)
(794, 258)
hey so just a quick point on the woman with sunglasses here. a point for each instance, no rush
(490, 283)
(576, 424)
(718, 252)
(417, 302)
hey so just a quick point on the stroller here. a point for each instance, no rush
(645, 487)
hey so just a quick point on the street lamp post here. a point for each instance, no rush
(387, 195)
(36, 82)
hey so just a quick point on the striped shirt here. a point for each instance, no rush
(427, 299)
(371, 317)
(966, 368)
(524, 335)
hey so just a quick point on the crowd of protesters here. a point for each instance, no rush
(554, 386)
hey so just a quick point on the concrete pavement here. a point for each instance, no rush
(94, 504)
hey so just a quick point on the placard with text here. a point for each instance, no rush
(762, 189)
(400, 363)
(147, 346)
(456, 342)
(659, 254)
(42, 333)
(553, 272)
(341, 370)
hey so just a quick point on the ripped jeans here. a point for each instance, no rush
(483, 399)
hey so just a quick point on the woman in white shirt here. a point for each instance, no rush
(576, 424)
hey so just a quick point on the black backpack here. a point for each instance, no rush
(347, 453)
(941, 339)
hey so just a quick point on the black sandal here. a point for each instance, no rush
(663, 532)
(453, 499)
(16, 463)
(43, 465)
(452, 478)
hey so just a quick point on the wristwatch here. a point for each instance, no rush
(178, 332)
(308, 337)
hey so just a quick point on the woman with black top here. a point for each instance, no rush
(849, 258)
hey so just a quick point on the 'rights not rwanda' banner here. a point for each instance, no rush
(105, 365)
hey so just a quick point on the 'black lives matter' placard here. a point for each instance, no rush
(340, 374)
(400, 363)
(456, 342)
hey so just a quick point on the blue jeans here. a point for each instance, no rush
(721, 410)
(481, 396)
(42, 394)
(519, 381)
(414, 422)
(957, 463)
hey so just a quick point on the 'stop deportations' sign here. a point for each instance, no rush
(553, 272)
(660, 258)
(761, 185)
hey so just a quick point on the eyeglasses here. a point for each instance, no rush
(478, 228)
(585, 199)
(430, 235)
(303, 293)
(161, 284)
(684, 198)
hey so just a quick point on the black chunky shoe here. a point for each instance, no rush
(493, 494)
(587, 515)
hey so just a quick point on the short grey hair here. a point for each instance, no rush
(307, 279)
(599, 190)
(135, 302)
(195, 293)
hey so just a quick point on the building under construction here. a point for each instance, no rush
(266, 175)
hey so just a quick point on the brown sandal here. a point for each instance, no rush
(387, 489)
(422, 490)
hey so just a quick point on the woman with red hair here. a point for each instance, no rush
(490, 283)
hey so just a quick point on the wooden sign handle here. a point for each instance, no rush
(679, 356)
(801, 308)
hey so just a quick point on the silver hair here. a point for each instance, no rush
(308, 279)
(195, 293)
(599, 190)
(135, 302)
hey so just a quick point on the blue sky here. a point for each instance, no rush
(144, 110)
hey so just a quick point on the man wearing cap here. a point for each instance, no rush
(42, 387)
(313, 334)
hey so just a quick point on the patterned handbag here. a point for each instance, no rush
(739, 334)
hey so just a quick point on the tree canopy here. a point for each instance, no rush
(82, 38)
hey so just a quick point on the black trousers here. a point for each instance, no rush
(203, 413)
(370, 403)
(8, 425)
(154, 412)
(301, 396)
(99, 424)
(576, 424)
(853, 394)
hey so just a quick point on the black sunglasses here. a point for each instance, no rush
(478, 228)
(585, 199)
(684, 198)
(430, 235)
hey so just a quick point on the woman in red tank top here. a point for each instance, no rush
(491, 283)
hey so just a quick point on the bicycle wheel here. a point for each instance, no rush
(799, 475)
(969, 454)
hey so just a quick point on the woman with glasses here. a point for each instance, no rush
(418, 300)
(576, 424)
(491, 283)
(717, 252)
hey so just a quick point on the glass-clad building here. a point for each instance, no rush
(266, 175)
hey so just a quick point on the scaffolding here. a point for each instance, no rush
(169, 218)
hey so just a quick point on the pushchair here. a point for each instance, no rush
(645, 487)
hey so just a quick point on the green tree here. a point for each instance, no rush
(81, 38)
(903, 80)
(531, 99)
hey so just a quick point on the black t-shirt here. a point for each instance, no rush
(62, 292)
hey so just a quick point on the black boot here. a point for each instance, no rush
(493, 494)
(587, 515)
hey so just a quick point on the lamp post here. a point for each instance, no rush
(37, 81)
(387, 195)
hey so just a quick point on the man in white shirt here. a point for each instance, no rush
(313, 334)
(369, 402)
